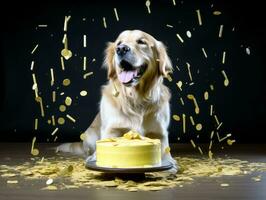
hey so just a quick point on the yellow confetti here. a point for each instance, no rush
(191, 97)
(84, 41)
(192, 120)
(212, 133)
(210, 154)
(115, 91)
(210, 145)
(176, 117)
(36, 124)
(167, 150)
(169, 78)
(204, 52)
(82, 136)
(39, 100)
(32, 65)
(62, 63)
(174, 2)
(52, 76)
(198, 127)
(62, 108)
(184, 123)
(34, 151)
(211, 110)
(87, 74)
(224, 184)
(42, 25)
(66, 82)
(206, 95)
(216, 12)
(226, 81)
(189, 72)
(199, 17)
(104, 23)
(68, 101)
(179, 85)
(148, 4)
(224, 54)
(54, 96)
(169, 26)
(212, 87)
(83, 93)
(219, 125)
(193, 144)
(70, 118)
(12, 181)
(221, 31)
(84, 63)
(200, 150)
(34, 49)
(180, 38)
(116, 14)
(67, 18)
(54, 131)
(53, 120)
(230, 142)
(49, 181)
(216, 119)
(61, 120)
(182, 101)
(35, 88)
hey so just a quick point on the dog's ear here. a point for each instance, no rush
(109, 60)
(165, 64)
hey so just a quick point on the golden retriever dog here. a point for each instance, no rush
(135, 97)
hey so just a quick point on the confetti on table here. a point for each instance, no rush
(184, 122)
(216, 12)
(68, 101)
(49, 181)
(199, 17)
(182, 101)
(198, 127)
(84, 41)
(32, 65)
(34, 151)
(67, 18)
(193, 144)
(54, 131)
(12, 181)
(62, 63)
(226, 81)
(52, 76)
(66, 82)
(192, 120)
(34, 49)
(189, 35)
(189, 72)
(83, 93)
(224, 54)
(87, 74)
(256, 178)
(60, 120)
(191, 97)
(169, 26)
(71, 118)
(84, 63)
(176, 117)
(116, 14)
(224, 185)
(180, 38)
(104, 22)
(204, 52)
(36, 124)
(221, 31)
(148, 4)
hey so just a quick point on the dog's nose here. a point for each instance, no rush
(122, 49)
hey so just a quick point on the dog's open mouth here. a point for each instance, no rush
(130, 73)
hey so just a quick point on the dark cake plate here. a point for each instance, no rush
(93, 166)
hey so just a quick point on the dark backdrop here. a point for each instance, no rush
(240, 106)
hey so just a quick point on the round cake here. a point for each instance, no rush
(131, 150)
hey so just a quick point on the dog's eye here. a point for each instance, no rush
(140, 41)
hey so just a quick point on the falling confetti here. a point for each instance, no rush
(34, 49)
(116, 15)
(199, 17)
(148, 4)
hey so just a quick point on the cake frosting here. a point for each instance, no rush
(131, 150)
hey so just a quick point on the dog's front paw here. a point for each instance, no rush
(91, 158)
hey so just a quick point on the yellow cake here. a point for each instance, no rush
(131, 150)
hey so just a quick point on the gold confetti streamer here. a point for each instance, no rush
(192, 120)
(54, 96)
(84, 63)
(211, 110)
(87, 74)
(224, 54)
(148, 4)
(116, 15)
(52, 76)
(221, 31)
(169, 26)
(62, 63)
(36, 124)
(199, 17)
(180, 38)
(189, 72)
(84, 41)
(204, 52)
(206, 95)
(34, 151)
(184, 123)
(32, 65)
(35, 88)
(193, 144)
(226, 81)
(104, 23)
(191, 97)
(34, 49)
(67, 18)
(39, 100)
(53, 120)
(70, 118)
(54, 131)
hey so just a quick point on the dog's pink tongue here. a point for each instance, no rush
(126, 76)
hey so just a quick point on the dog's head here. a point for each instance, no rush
(134, 56)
